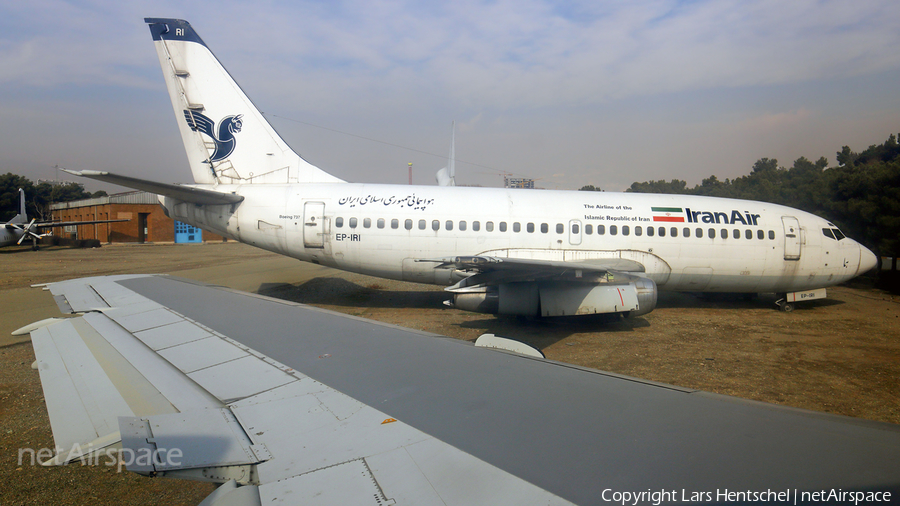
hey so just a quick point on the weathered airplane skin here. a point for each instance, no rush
(508, 251)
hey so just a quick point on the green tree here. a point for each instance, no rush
(9, 194)
(861, 195)
(675, 186)
(38, 197)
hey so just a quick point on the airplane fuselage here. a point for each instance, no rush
(685, 243)
(9, 237)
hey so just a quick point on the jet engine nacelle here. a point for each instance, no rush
(560, 298)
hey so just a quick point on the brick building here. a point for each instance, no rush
(147, 221)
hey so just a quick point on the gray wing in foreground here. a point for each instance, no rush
(283, 402)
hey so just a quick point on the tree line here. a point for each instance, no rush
(38, 196)
(861, 195)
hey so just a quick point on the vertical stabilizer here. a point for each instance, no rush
(22, 217)
(447, 175)
(227, 139)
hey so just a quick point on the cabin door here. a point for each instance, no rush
(791, 238)
(575, 232)
(314, 224)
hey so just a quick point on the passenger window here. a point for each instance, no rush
(339, 222)
(352, 222)
(448, 225)
(588, 229)
(613, 230)
(545, 228)
(435, 225)
(673, 232)
(408, 224)
(503, 226)
(638, 231)
(686, 232)
(771, 234)
(367, 223)
(651, 231)
(462, 225)
(575, 228)
(601, 229)
(530, 228)
(476, 226)
(421, 224)
(560, 228)
(489, 226)
(517, 227)
(662, 231)
(699, 233)
(626, 230)
(736, 234)
(724, 233)
(760, 235)
(712, 233)
(380, 223)
(748, 234)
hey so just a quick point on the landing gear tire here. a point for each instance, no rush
(783, 304)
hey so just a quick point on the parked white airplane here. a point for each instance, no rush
(16, 230)
(506, 251)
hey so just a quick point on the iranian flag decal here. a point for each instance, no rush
(672, 214)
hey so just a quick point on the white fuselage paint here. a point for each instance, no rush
(9, 237)
(338, 225)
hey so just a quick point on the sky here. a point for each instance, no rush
(570, 94)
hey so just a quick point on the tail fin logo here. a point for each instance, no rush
(223, 136)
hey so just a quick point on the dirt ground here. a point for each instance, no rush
(839, 355)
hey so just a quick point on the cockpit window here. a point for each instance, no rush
(833, 233)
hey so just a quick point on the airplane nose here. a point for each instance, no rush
(867, 260)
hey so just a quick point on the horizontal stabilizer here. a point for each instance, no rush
(179, 192)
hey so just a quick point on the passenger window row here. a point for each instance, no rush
(625, 230)
(698, 232)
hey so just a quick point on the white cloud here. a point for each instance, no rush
(604, 91)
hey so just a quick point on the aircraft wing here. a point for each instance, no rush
(491, 270)
(285, 403)
(54, 224)
(176, 191)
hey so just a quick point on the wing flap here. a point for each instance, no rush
(179, 390)
(196, 438)
(81, 400)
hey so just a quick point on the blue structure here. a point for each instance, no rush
(185, 233)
